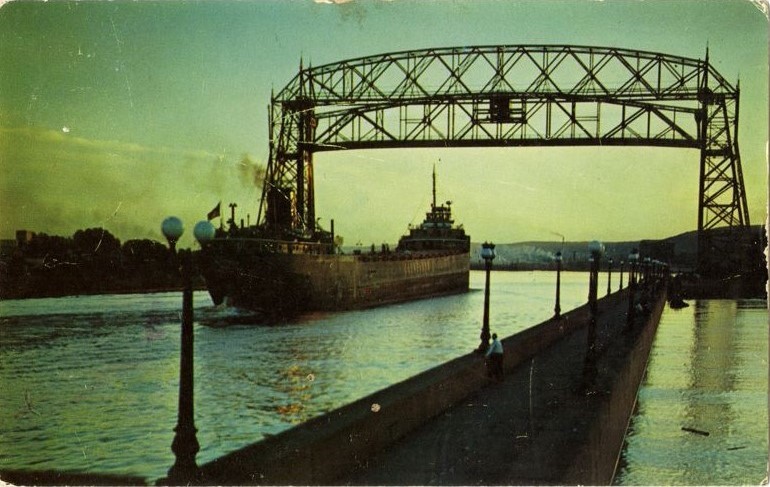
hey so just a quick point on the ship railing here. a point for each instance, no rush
(410, 255)
(279, 246)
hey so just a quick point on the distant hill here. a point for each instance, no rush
(540, 254)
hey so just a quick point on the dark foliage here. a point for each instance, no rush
(91, 261)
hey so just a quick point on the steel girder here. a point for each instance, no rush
(510, 95)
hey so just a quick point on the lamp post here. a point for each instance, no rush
(185, 444)
(557, 307)
(647, 267)
(620, 287)
(589, 367)
(633, 258)
(609, 276)
(488, 254)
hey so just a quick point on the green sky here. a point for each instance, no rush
(117, 114)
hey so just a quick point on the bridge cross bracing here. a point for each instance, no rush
(505, 96)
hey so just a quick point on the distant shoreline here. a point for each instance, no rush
(103, 292)
(736, 287)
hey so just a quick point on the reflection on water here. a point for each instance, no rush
(90, 383)
(708, 373)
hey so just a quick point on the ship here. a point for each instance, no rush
(248, 267)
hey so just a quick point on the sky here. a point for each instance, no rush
(118, 114)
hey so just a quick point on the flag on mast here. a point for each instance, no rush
(215, 212)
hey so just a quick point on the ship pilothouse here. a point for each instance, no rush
(437, 232)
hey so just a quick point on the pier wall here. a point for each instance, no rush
(623, 366)
(322, 449)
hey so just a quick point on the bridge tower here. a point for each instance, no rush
(723, 216)
(288, 199)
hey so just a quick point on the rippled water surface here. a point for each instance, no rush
(90, 383)
(707, 373)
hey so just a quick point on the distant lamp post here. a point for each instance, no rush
(609, 276)
(620, 287)
(589, 367)
(647, 267)
(185, 445)
(557, 307)
(488, 254)
(633, 258)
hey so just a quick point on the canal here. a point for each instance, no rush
(701, 415)
(90, 383)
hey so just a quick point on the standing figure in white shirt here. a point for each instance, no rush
(495, 358)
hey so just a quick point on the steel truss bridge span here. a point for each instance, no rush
(498, 96)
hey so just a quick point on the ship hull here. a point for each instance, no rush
(284, 284)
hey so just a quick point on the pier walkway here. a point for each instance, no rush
(530, 428)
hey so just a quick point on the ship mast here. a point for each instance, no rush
(434, 186)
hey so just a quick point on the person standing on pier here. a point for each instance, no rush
(495, 358)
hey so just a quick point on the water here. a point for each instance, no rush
(90, 383)
(708, 372)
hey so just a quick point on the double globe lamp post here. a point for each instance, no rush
(488, 254)
(185, 444)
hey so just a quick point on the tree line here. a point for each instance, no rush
(91, 261)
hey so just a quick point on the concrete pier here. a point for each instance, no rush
(452, 425)
(537, 426)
